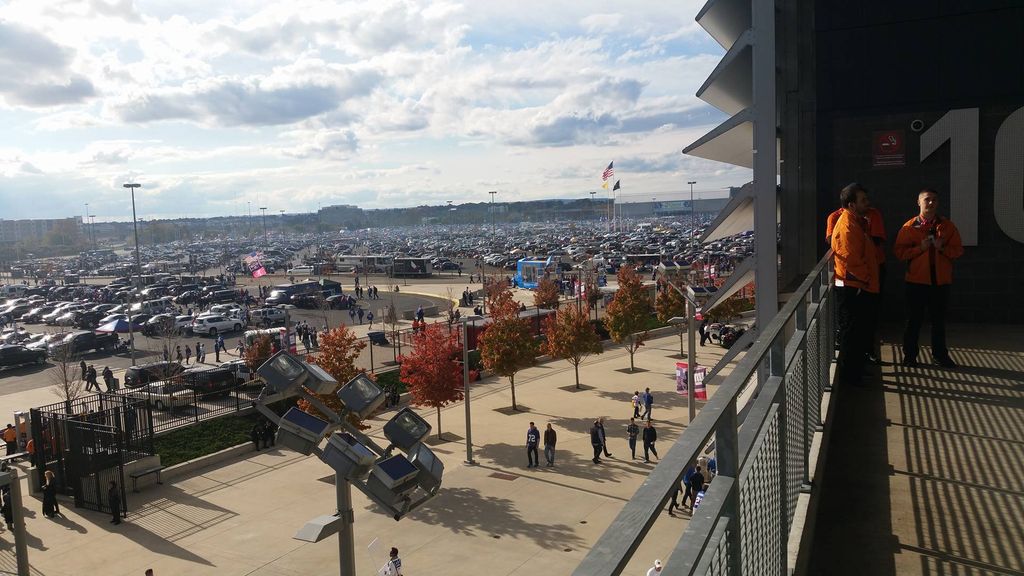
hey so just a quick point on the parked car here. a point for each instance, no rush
(214, 325)
(208, 381)
(267, 316)
(44, 342)
(77, 343)
(141, 374)
(161, 395)
(13, 355)
(35, 315)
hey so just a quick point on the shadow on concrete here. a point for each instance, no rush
(513, 458)
(466, 511)
(69, 524)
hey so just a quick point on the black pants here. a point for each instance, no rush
(531, 455)
(648, 449)
(873, 311)
(851, 305)
(597, 452)
(919, 297)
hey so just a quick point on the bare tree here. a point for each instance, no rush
(64, 375)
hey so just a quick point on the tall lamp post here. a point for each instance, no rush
(492, 193)
(465, 384)
(592, 192)
(693, 216)
(138, 269)
(264, 209)
(85, 223)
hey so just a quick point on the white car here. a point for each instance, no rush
(223, 310)
(214, 325)
(161, 396)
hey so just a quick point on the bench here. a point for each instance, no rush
(145, 472)
(378, 338)
(13, 457)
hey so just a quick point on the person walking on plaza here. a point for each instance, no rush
(550, 438)
(393, 566)
(595, 442)
(114, 497)
(50, 506)
(648, 403)
(703, 331)
(650, 436)
(675, 499)
(177, 352)
(604, 437)
(632, 431)
(81, 365)
(90, 379)
(11, 439)
(696, 485)
(656, 569)
(188, 354)
(929, 244)
(7, 507)
(856, 275)
(636, 404)
(108, 379)
(532, 439)
(217, 347)
(686, 485)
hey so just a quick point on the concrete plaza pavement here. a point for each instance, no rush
(496, 517)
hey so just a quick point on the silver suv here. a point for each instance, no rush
(214, 325)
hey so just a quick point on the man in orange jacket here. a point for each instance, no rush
(928, 243)
(856, 277)
(873, 306)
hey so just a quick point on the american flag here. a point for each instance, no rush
(608, 172)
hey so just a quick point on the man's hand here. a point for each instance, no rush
(938, 243)
(926, 242)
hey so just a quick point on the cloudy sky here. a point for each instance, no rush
(291, 105)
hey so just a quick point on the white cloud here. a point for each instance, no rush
(389, 103)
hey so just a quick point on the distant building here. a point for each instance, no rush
(22, 230)
(342, 216)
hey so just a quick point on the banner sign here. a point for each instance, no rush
(255, 267)
(700, 392)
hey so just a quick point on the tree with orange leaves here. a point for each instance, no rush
(507, 345)
(571, 336)
(546, 295)
(259, 352)
(626, 315)
(432, 371)
(338, 351)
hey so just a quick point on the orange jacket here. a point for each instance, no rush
(928, 266)
(876, 229)
(854, 253)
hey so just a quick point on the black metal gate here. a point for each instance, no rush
(87, 443)
(95, 465)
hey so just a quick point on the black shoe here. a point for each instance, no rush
(608, 454)
(945, 363)
(596, 461)
(910, 363)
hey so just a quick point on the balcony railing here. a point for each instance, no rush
(762, 443)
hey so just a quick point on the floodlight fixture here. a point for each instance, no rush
(430, 466)
(319, 380)
(391, 482)
(349, 459)
(301, 431)
(406, 429)
(361, 396)
(282, 372)
(320, 528)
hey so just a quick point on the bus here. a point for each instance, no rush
(278, 336)
(410, 267)
(282, 293)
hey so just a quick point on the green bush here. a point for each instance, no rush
(390, 378)
(209, 436)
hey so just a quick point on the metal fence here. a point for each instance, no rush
(762, 447)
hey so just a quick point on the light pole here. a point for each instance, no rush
(451, 217)
(592, 192)
(85, 223)
(465, 384)
(264, 209)
(138, 269)
(693, 216)
(492, 193)
(92, 229)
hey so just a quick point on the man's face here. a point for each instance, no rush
(861, 204)
(928, 202)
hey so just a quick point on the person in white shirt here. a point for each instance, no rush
(656, 569)
(394, 565)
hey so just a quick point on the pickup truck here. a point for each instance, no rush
(12, 356)
(77, 343)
